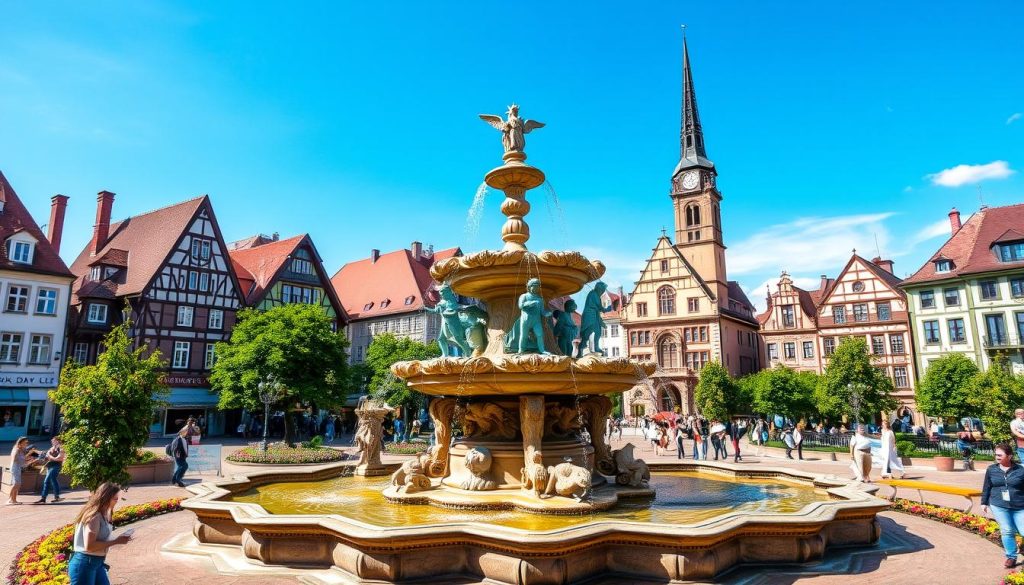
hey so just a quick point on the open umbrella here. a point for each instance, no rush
(664, 416)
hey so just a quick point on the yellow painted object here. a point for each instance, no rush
(928, 486)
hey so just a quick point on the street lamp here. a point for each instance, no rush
(268, 388)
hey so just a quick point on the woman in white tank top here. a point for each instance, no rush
(93, 528)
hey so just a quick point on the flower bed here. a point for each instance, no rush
(405, 448)
(281, 454)
(45, 561)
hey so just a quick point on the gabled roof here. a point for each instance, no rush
(15, 218)
(885, 276)
(970, 248)
(256, 266)
(808, 303)
(370, 289)
(147, 238)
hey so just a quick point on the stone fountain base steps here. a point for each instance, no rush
(471, 552)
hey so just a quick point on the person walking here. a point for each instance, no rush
(735, 432)
(179, 451)
(1017, 429)
(965, 443)
(93, 531)
(890, 458)
(698, 439)
(329, 429)
(760, 437)
(798, 440)
(1002, 492)
(789, 441)
(54, 463)
(860, 452)
(20, 455)
(680, 436)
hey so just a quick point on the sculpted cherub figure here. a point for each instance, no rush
(565, 328)
(512, 129)
(452, 337)
(474, 321)
(592, 322)
(532, 312)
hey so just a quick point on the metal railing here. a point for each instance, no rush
(942, 445)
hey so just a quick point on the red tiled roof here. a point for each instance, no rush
(16, 218)
(970, 248)
(148, 238)
(370, 289)
(256, 266)
(112, 257)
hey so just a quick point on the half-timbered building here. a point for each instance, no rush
(274, 272)
(865, 300)
(789, 326)
(168, 271)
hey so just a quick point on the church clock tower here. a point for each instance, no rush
(695, 197)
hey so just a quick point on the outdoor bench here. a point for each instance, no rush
(928, 486)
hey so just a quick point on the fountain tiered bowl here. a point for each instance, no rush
(519, 485)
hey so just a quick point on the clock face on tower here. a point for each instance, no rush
(690, 179)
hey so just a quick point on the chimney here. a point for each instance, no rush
(100, 231)
(417, 250)
(58, 205)
(824, 283)
(275, 236)
(374, 255)
(885, 265)
(954, 221)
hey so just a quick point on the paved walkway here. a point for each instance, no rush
(913, 549)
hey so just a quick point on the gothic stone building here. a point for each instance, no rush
(168, 271)
(684, 311)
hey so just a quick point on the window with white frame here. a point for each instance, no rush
(808, 349)
(773, 351)
(17, 299)
(789, 350)
(39, 349)
(943, 265)
(10, 347)
(193, 280)
(839, 314)
(181, 353)
(81, 352)
(46, 301)
(301, 266)
(989, 290)
(1011, 252)
(21, 252)
(200, 249)
(951, 297)
(860, 312)
(210, 356)
(896, 344)
(185, 316)
(97, 313)
(204, 282)
(884, 311)
(216, 320)
(899, 374)
(828, 346)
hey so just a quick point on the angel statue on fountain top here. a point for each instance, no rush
(512, 129)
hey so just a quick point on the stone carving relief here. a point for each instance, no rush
(560, 421)
(595, 411)
(629, 470)
(478, 462)
(411, 477)
(568, 480)
(488, 420)
(442, 411)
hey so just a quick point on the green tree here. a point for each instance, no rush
(107, 409)
(945, 390)
(781, 390)
(995, 394)
(293, 343)
(716, 394)
(387, 349)
(850, 372)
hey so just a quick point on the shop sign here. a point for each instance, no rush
(28, 379)
(172, 380)
(204, 458)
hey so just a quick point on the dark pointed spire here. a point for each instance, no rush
(691, 136)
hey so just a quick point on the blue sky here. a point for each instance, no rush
(830, 123)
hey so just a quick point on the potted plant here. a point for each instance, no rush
(943, 463)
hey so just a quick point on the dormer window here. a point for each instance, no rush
(943, 265)
(385, 303)
(368, 306)
(21, 252)
(95, 273)
(409, 300)
(1011, 252)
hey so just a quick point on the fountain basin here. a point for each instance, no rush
(518, 374)
(502, 274)
(636, 540)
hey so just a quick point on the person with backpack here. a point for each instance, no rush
(178, 450)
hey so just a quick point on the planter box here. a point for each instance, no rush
(943, 463)
(32, 477)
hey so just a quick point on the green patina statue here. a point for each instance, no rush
(452, 337)
(592, 322)
(565, 328)
(474, 321)
(530, 328)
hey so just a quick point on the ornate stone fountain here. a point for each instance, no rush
(532, 418)
(519, 424)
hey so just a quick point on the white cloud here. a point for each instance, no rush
(967, 174)
(908, 189)
(809, 244)
(939, 228)
(1014, 117)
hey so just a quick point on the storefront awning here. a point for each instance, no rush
(13, 395)
(200, 397)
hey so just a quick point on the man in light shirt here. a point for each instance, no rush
(1017, 428)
